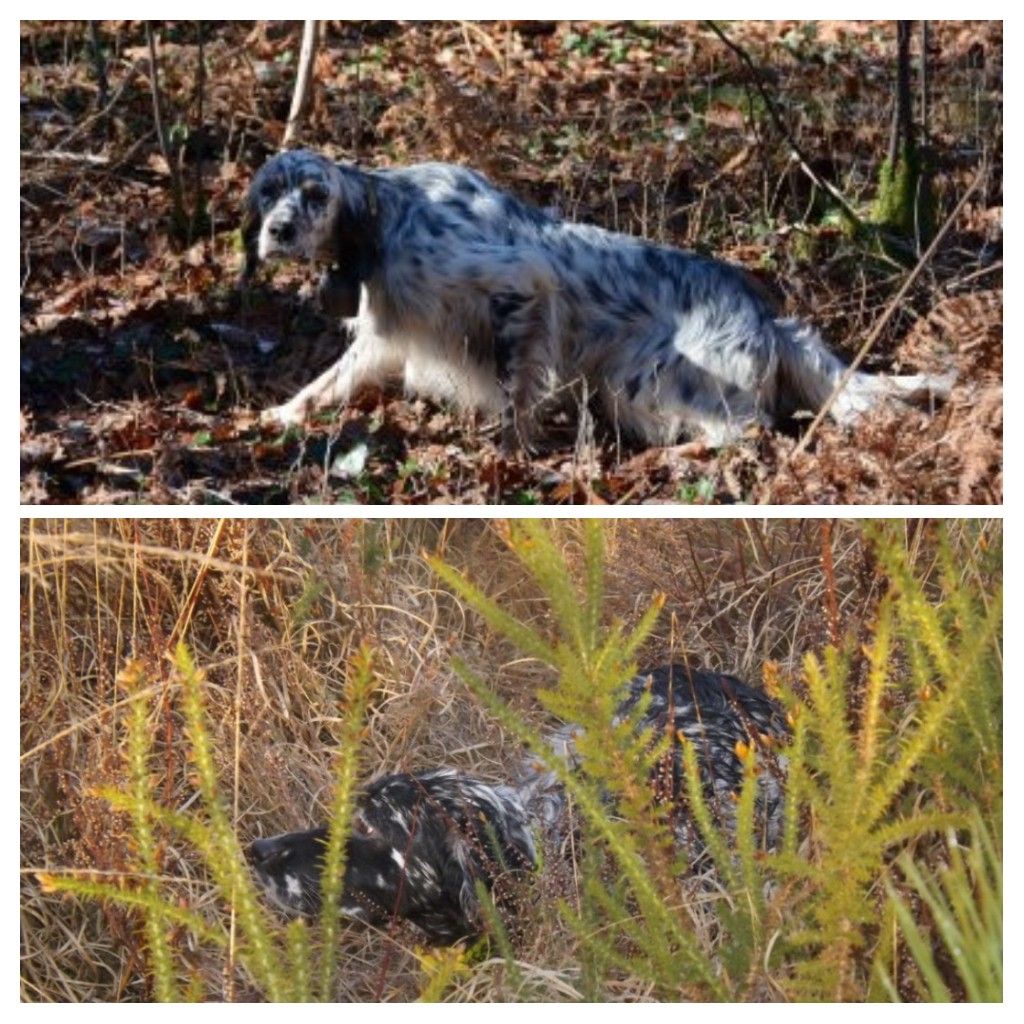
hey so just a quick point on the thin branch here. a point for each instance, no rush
(84, 126)
(780, 126)
(303, 80)
(158, 119)
(65, 157)
(98, 63)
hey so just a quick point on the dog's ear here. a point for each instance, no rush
(338, 292)
(354, 257)
(251, 222)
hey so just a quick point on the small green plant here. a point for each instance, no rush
(276, 960)
(525, 498)
(701, 492)
(965, 903)
(303, 608)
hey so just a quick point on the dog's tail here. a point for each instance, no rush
(809, 373)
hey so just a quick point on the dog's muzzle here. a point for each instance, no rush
(262, 852)
(282, 232)
(278, 238)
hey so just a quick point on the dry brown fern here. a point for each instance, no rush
(968, 328)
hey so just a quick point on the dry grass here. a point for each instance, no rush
(273, 611)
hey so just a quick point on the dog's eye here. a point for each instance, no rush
(314, 193)
(270, 191)
(277, 860)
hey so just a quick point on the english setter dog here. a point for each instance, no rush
(712, 710)
(418, 847)
(466, 293)
(421, 843)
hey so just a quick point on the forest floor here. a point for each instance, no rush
(143, 368)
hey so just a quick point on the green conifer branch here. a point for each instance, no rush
(158, 941)
(871, 719)
(361, 681)
(526, 639)
(593, 547)
(225, 855)
(614, 834)
(297, 943)
(134, 899)
(532, 542)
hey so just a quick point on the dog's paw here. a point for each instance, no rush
(291, 414)
(516, 435)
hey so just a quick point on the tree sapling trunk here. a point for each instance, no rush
(905, 205)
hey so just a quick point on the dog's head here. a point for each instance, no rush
(303, 206)
(292, 205)
(288, 867)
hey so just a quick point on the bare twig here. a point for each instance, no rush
(185, 615)
(158, 119)
(992, 268)
(62, 156)
(85, 125)
(303, 80)
(99, 63)
(886, 316)
(828, 569)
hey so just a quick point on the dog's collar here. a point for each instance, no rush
(372, 200)
(356, 256)
(366, 254)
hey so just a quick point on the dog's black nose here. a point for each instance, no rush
(283, 232)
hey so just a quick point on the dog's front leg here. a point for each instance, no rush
(368, 360)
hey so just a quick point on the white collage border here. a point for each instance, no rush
(1013, 558)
